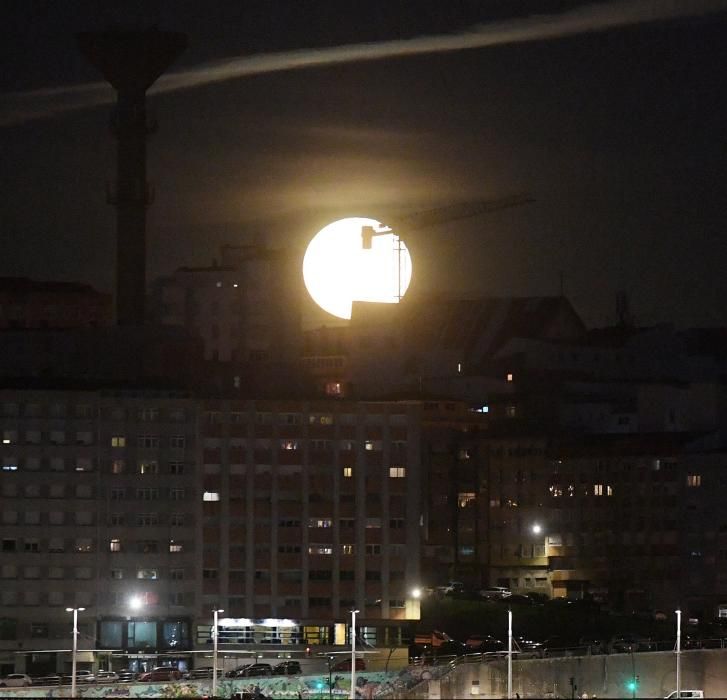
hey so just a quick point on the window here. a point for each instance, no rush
(211, 496)
(116, 519)
(176, 468)
(148, 466)
(148, 441)
(373, 522)
(177, 494)
(82, 572)
(84, 491)
(147, 519)
(118, 494)
(39, 630)
(83, 544)
(147, 574)
(176, 574)
(373, 575)
(288, 523)
(373, 549)
(32, 545)
(117, 574)
(57, 437)
(148, 414)
(209, 574)
(465, 498)
(56, 545)
(320, 549)
(289, 549)
(320, 522)
(84, 517)
(346, 522)
(319, 602)
(397, 472)
(348, 549)
(598, 489)
(396, 523)
(289, 444)
(694, 480)
(509, 376)
(175, 546)
(348, 472)
(147, 494)
(118, 441)
(347, 575)
(57, 464)
(397, 603)
(56, 572)
(117, 466)
(115, 545)
(176, 519)
(177, 442)
(147, 547)
(32, 517)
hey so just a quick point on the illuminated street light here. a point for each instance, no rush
(416, 593)
(679, 651)
(135, 602)
(75, 612)
(215, 634)
(353, 654)
(536, 529)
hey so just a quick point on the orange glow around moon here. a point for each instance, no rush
(338, 270)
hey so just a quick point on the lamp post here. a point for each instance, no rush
(75, 612)
(215, 612)
(353, 655)
(509, 653)
(679, 651)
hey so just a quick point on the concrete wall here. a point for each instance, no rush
(602, 676)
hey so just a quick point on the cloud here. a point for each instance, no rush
(16, 108)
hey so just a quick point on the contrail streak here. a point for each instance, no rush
(19, 107)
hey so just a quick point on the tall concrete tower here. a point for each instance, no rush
(131, 61)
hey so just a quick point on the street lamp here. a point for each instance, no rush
(353, 655)
(216, 612)
(509, 653)
(75, 612)
(136, 602)
(679, 650)
(416, 593)
(536, 528)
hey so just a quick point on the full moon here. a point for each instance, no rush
(356, 259)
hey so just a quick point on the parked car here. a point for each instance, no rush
(256, 670)
(627, 643)
(237, 672)
(495, 592)
(16, 680)
(593, 645)
(50, 679)
(203, 672)
(484, 643)
(82, 676)
(345, 665)
(127, 676)
(107, 677)
(161, 673)
(287, 668)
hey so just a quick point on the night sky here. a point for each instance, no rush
(619, 135)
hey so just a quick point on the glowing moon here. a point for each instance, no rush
(338, 269)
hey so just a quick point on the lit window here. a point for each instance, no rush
(117, 466)
(320, 549)
(347, 549)
(511, 411)
(465, 498)
(334, 388)
(115, 545)
(509, 376)
(175, 546)
(598, 489)
(348, 472)
(397, 472)
(148, 467)
(118, 441)
(211, 496)
(288, 444)
(150, 574)
(694, 480)
(320, 522)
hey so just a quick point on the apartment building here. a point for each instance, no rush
(311, 509)
(632, 519)
(98, 506)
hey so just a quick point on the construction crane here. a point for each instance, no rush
(432, 217)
